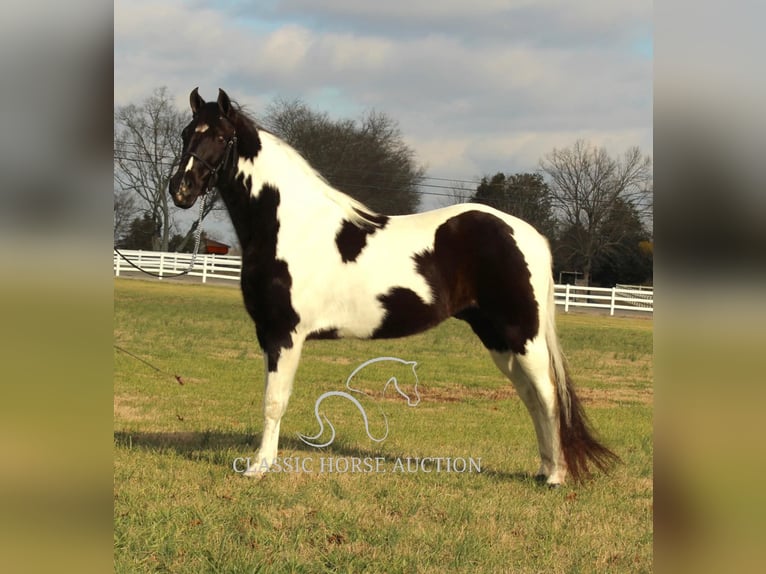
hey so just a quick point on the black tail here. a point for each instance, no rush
(580, 446)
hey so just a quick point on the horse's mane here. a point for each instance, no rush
(355, 211)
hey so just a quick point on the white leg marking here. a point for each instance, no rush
(279, 385)
(530, 376)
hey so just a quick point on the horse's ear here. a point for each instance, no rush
(196, 101)
(224, 103)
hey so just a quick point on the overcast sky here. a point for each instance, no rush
(476, 86)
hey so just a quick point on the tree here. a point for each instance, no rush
(367, 159)
(147, 143)
(139, 234)
(566, 257)
(457, 192)
(525, 195)
(124, 212)
(628, 259)
(585, 184)
(180, 243)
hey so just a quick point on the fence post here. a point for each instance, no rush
(118, 266)
(204, 268)
(162, 263)
(611, 304)
(566, 299)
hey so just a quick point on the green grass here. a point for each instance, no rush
(180, 507)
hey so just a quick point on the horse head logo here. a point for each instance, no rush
(413, 398)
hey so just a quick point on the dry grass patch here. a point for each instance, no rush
(455, 393)
(131, 408)
(610, 397)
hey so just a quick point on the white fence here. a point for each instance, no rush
(615, 298)
(228, 267)
(639, 292)
(206, 266)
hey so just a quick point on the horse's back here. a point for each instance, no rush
(526, 235)
(420, 269)
(482, 227)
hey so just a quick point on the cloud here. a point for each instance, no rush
(475, 86)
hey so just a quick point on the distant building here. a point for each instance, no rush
(216, 247)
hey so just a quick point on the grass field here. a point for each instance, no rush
(179, 506)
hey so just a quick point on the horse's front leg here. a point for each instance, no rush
(279, 385)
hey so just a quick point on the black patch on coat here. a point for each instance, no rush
(324, 334)
(484, 327)
(406, 314)
(478, 274)
(351, 238)
(265, 280)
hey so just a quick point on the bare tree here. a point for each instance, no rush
(147, 142)
(585, 185)
(458, 192)
(124, 212)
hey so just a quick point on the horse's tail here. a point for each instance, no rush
(578, 442)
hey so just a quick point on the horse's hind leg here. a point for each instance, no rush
(530, 375)
(279, 385)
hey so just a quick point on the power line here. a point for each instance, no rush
(368, 186)
(136, 157)
(422, 188)
(419, 189)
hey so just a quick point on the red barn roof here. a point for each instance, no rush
(216, 247)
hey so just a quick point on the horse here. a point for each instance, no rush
(317, 264)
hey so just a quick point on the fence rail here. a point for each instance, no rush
(614, 298)
(228, 267)
(206, 266)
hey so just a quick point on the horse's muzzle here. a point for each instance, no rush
(182, 194)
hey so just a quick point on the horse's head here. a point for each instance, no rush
(209, 146)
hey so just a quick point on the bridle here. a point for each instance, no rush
(230, 152)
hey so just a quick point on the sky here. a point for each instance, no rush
(476, 86)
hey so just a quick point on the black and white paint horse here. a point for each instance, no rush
(318, 264)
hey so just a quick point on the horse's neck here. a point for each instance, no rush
(302, 189)
(306, 200)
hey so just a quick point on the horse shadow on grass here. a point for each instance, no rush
(215, 447)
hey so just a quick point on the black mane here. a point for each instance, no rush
(248, 142)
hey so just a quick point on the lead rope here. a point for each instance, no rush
(197, 241)
(198, 231)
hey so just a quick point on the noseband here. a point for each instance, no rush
(214, 170)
